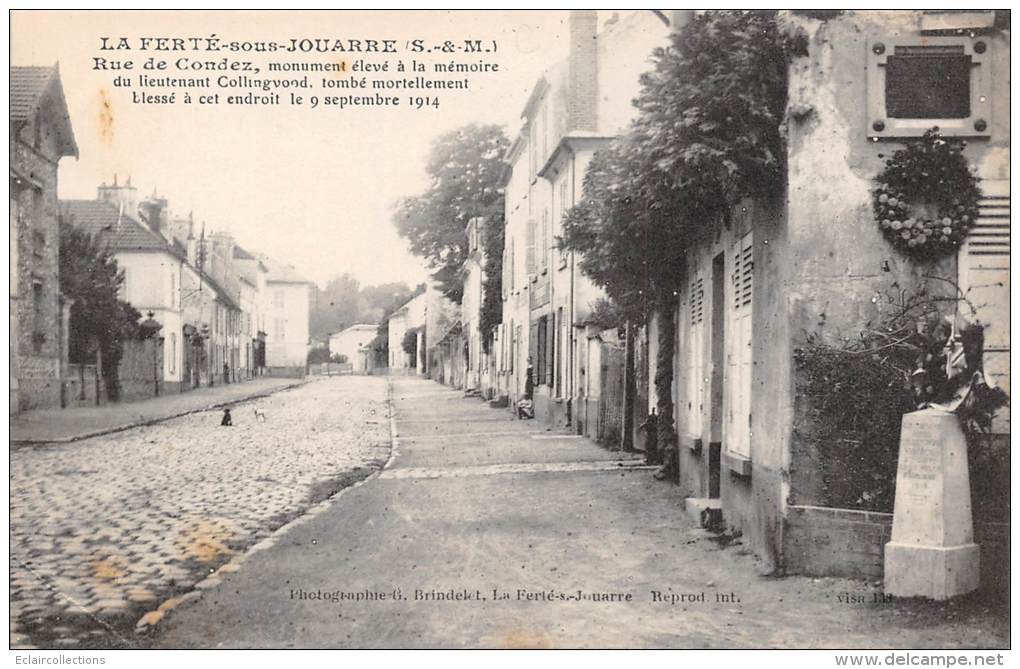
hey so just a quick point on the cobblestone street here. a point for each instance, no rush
(115, 530)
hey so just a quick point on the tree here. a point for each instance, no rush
(465, 168)
(100, 322)
(336, 307)
(493, 240)
(343, 302)
(707, 134)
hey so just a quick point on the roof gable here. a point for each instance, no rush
(120, 231)
(31, 88)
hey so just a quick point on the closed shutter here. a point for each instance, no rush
(533, 350)
(695, 399)
(984, 278)
(550, 353)
(737, 385)
(530, 253)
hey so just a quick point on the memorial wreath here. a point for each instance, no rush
(926, 199)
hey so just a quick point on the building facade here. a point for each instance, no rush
(476, 361)
(813, 258)
(577, 107)
(288, 300)
(353, 343)
(40, 135)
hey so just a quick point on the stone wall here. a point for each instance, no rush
(81, 386)
(141, 370)
(38, 306)
(821, 541)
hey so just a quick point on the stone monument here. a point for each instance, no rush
(932, 553)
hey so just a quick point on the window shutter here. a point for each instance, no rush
(550, 350)
(695, 351)
(533, 345)
(984, 277)
(544, 241)
(530, 254)
(739, 370)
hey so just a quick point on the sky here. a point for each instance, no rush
(314, 188)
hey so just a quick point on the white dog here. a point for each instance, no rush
(260, 415)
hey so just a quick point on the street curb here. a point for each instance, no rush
(16, 443)
(151, 619)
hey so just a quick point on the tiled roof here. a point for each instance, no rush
(241, 254)
(28, 87)
(360, 327)
(280, 273)
(121, 232)
(221, 293)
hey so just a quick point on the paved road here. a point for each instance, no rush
(107, 529)
(477, 507)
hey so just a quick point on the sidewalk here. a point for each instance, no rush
(64, 425)
(488, 532)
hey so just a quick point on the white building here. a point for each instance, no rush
(352, 343)
(253, 274)
(410, 316)
(287, 312)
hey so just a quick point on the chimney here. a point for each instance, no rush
(154, 210)
(126, 196)
(582, 75)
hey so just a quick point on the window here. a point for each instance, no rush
(739, 358)
(917, 83)
(558, 369)
(541, 351)
(173, 289)
(280, 329)
(695, 331)
(515, 337)
(173, 352)
(530, 257)
(544, 241)
(38, 243)
(278, 299)
(513, 269)
(38, 312)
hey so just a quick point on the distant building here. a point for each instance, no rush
(287, 318)
(476, 362)
(253, 274)
(409, 317)
(353, 343)
(40, 135)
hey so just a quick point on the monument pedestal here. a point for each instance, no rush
(932, 553)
